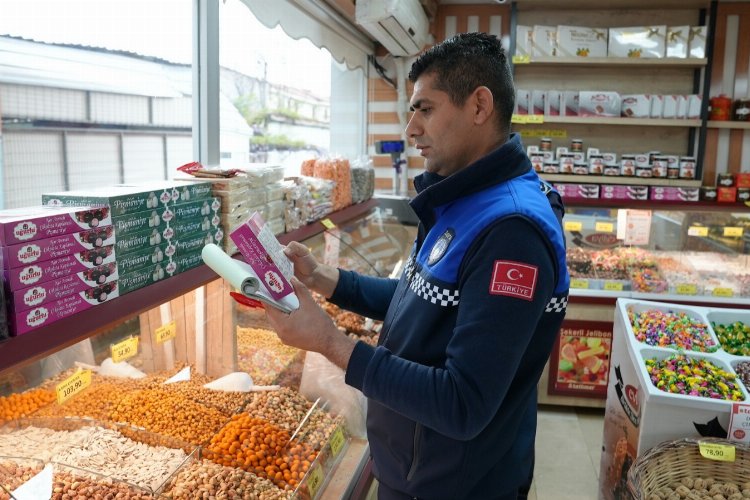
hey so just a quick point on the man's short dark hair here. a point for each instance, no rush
(467, 61)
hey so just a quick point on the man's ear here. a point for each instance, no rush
(484, 105)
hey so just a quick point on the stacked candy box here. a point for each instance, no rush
(671, 376)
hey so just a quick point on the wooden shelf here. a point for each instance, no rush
(638, 122)
(611, 4)
(728, 124)
(17, 351)
(628, 181)
(708, 206)
(614, 62)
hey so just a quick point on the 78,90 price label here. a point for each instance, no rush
(73, 385)
(719, 452)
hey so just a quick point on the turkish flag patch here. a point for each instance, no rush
(513, 279)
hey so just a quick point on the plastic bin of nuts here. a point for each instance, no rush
(67, 481)
(119, 452)
(679, 469)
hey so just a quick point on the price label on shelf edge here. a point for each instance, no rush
(337, 441)
(542, 132)
(125, 349)
(521, 59)
(315, 481)
(715, 451)
(328, 224)
(573, 225)
(613, 286)
(73, 385)
(686, 289)
(733, 232)
(697, 231)
(604, 227)
(579, 283)
(166, 332)
(723, 292)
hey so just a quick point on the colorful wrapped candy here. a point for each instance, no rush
(680, 374)
(673, 330)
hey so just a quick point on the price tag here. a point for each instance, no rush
(71, 386)
(723, 292)
(573, 226)
(697, 231)
(337, 441)
(315, 481)
(535, 119)
(733, 231)
(521, 59)
(614, 286)
(328, 224)
(541, 132)
(604, 227)
(519, 118)
(579, 283)
(714, 451)
(686, 289)
(166, 332)
(125, 349)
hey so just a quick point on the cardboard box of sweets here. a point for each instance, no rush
(23, 254)
(151, 274)
(21, 225)
(126, 199)
(23, 277)
(46, 314)
(49, 291)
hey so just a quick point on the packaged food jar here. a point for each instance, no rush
(642, 171)
(581, 169)
(537, 162)
(721, 107)
(596, 165)
(545, 144)
(687, 167)
(741, 110)
(673, 170)
(725, 180)
(659, 166)
(627, 165)
(611, 170)
(576, 145)
(551, 167)
(567, 161)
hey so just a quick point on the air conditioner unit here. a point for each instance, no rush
(401, 26)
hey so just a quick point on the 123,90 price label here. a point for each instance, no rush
(315, 481)
(125, 349)
(166, 332)
(337, 441)
(73, 385)
(720, 452)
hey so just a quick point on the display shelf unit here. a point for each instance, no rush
(630, 122)
(611, 179)
(614, 62)
(728, 125)
(661, 205)
(34, 345)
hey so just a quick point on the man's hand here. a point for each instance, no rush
(310, 328)
(316, 276)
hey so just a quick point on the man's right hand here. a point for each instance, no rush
(316, 276)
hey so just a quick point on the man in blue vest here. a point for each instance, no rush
(469, 325)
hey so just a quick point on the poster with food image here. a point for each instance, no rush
(579, 364)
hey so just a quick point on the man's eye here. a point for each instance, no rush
(425, 110)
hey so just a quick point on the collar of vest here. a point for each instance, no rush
(506, 162)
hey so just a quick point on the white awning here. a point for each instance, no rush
(319, 23)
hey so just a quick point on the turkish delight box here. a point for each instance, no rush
(22, 277)
(21, 225)
(636, 106)
(46, 314)
(544, 41)
(622, 192)
(49, 291)
(579, 41)
(523, 40)
(645, 404)
(677, 41)
(180, 191)
(137, 241)
(180, 228)
(578, 190)
(152, 255)
(181, 263)
(135, 222)
(697, 42)
(23, 254)
(599, 103)
(637, 42)
(668, 193)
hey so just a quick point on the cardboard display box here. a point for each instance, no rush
(23, 254)
(639, 416)
(23, 277)
(21, 225)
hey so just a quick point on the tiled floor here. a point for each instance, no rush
(568, 448)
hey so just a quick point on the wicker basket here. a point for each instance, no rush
(667, 463)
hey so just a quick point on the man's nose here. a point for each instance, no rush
(413, 129)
